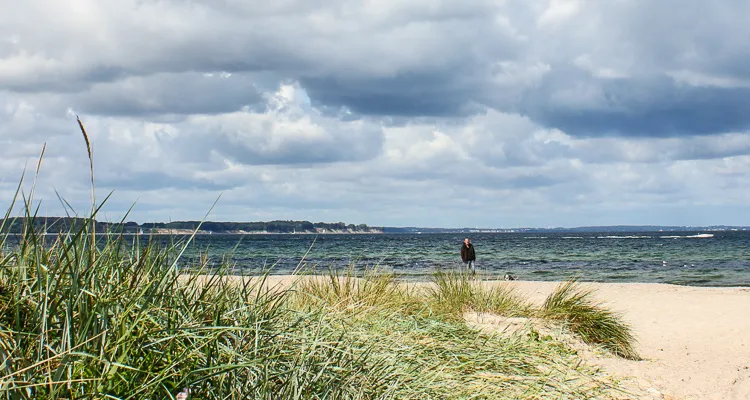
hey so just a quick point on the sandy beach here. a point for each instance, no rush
(695, 341)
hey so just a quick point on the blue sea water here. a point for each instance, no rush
(686, 258)
(718, 258)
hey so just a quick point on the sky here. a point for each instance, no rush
(493, 114)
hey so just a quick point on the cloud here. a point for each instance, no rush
(649, 108)
(166, 94)
(426, 112)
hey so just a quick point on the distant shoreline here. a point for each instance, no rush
(204, 233)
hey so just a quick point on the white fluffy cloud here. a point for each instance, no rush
(544, 112)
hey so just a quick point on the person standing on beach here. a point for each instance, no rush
(468, 256)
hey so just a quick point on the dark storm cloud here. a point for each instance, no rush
(369, 70)
(658, 107)
(187, 93)
(411, 94)
(394, 60)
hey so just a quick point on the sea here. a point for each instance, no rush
(719, 258)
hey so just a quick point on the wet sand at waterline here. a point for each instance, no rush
(694, 341)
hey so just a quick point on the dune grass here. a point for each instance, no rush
(591, 321)
(456, 292)
(348, 289)
(131, 326)
(423, 336)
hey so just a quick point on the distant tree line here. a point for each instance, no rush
(269, 226)
(53, 225)
(66, 224)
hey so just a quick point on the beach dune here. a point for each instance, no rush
(695, 341)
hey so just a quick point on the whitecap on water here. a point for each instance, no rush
(698, 236)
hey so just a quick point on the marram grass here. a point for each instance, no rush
(130, 326)
(456, 292)
(588, 319)
(347, 289)
(436, 357)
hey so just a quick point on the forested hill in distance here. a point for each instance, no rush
(65, 224)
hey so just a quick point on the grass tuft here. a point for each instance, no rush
(588, 319)
(349, 289)
(503, 300)
(453, 292)
(456, 292)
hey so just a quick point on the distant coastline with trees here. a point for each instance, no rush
(54, 225)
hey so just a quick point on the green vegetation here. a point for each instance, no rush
(347, 291)
(594, 323)
(58, 224)
(457, 292)
(129, 326)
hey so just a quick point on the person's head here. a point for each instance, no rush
(467, 241)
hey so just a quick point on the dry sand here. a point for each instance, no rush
(695, 341)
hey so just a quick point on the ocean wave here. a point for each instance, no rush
(698, 236)
(623, 237)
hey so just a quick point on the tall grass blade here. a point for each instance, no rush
(89, 151)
